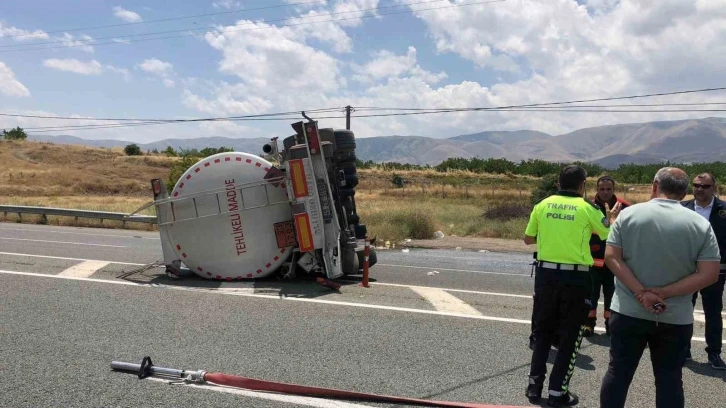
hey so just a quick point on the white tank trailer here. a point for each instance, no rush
(239, 216)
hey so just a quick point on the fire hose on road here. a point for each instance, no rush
(147, 369)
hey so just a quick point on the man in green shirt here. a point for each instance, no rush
(561, 225)
(660, 253)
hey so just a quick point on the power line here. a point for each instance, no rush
(21, 46)
(86, 44)
(172, 18)
(541, 107)
(435, 110)
(169, 119)
(277, 119)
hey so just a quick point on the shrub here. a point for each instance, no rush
(546, 187)
(508, 211)
(132, 150)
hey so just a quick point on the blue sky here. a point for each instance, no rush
(471, 55)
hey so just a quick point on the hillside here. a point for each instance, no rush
(42, 169)
(700, 140)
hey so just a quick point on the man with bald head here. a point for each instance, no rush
(660, 253)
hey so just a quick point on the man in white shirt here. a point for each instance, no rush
(713, 209)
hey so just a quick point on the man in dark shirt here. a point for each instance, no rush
(711, 208)
(601, 275)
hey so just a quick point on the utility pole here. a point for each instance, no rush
(347, 116)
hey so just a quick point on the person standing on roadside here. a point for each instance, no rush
(561, 226)
(660, 253)
(601, 275)
(713, 209)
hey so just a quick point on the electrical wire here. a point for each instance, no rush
(541, 107)
(171, 18)
(215, 26)
(228, 30)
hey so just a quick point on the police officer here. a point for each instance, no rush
(561, 226)
(602, 277)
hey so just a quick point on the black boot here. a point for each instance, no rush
(534, 389)
(568, 399)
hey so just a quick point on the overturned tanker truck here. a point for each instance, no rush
(236, 216)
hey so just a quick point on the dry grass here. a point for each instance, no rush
(49, 170)
(45, 174)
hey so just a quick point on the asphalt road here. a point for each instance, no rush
(447, 325)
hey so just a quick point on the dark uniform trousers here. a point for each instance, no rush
(712, 299)
(561, 305)
(602, 277)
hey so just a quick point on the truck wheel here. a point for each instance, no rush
(360, 231)
(289, 142)
(353, 219)
(344, 141)
(347, 192)
(372, 258)
(345, 159)
(349, 262)
(351, 180)
(349, 168)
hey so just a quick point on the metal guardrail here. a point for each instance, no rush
(66, 212)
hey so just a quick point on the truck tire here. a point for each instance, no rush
(346, 159)
(372, 258)
(349, 168)
(289, 142)
(360, 231)
(349, 262)
(344, 141)
(351, 180)
(347, 192)
(353, 219)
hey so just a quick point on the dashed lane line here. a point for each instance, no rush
(295, 299)
(63, 242)
(52, 231)
(445, 302)
(84, 269)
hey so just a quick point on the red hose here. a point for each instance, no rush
(259, 385)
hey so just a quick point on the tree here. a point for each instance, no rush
(15, 134)
(546, 187)
(132, 150)
(170, 152)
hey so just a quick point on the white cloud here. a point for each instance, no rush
(9, 85)
(81, 42)
(388, 65)
(122, 71)
(227, 4)
(156, 66)
(353, 11)
(22, 35)
(541, 50)
(126, 15)
(275, 69)
(92, 67)
(168, 83)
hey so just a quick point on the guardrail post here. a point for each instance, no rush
(44, 218)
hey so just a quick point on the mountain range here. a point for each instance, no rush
(680, 141)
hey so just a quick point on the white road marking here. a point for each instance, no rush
(475, 292)
(522, 275)
(445, 302)
(278, 297)
(84, 269)
(52, 231)
(63, 242)
(292, 399)
(71, 259)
